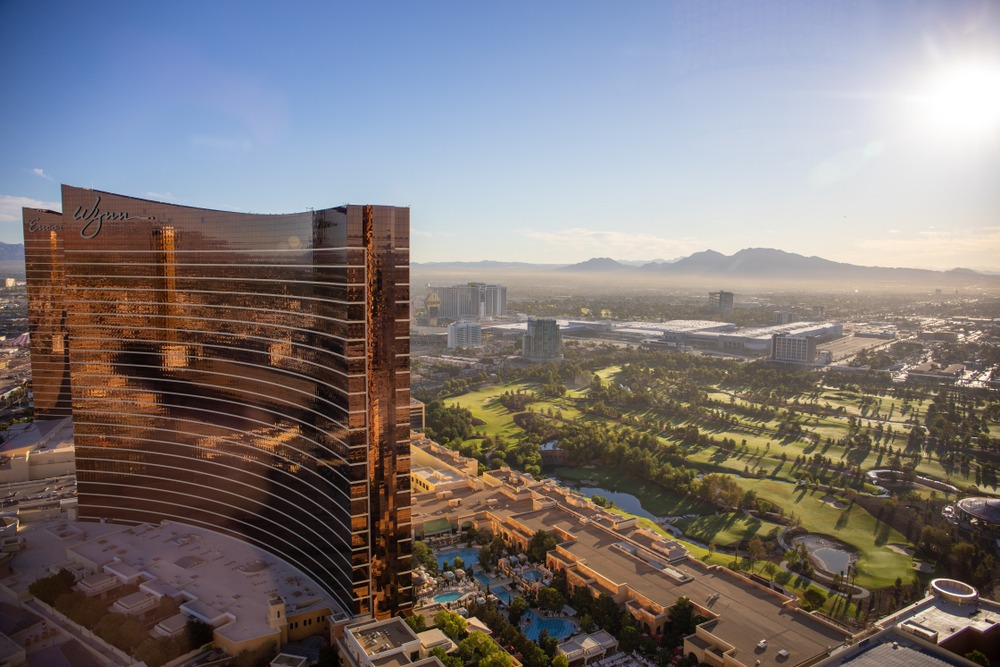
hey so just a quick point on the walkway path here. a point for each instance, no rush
(95, 645)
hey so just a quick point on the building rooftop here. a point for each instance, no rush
(15, 619)
(385, 636)
(748, 612)
(898, 654)
(937, 615)
(43, 435)
(655, 567)
(219, 575)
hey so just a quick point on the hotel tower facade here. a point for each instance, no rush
(246, 373)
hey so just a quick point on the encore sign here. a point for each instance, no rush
(94, 218)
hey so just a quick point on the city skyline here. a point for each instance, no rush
(866, 133)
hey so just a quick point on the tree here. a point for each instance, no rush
(550, 599)
(424, 555)
(47, 589)
(121, 631)
(516, 609)
(628, 639)
(540, 544)
(547, 643)
(682, 617)
(446, 660)
(416, 622)
(197, 633)
(755, 551)
(560, 661)
(813, 598)
(158, 651)
(81, 609)
(477, 647)
(978, 657)
(451, 624)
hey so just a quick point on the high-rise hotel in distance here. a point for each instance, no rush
(246, 373)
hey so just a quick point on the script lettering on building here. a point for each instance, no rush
(94, 218)
(34, 226)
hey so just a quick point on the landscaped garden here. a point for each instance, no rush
(735, 451)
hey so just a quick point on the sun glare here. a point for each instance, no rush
(964, 101)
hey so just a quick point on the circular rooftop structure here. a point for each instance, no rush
(955, 590)
(981, 510)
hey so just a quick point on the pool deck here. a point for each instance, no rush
(746, 611)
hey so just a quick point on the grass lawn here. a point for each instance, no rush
(499, 420)
(653, 498)
(569, 413)
(878, 565)
(727, 529)
(609, 372)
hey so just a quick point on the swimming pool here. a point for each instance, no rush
(560, 628)
(532, 575)
(505, 595)
(469, 556)
(482, 578)
(448, 597)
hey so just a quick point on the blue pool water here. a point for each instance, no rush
(505, 595)
(448, 597)
(470, 556)
(482, 578)
(533, 575)
(559, 628)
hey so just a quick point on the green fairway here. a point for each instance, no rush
(877, 565)
(499, 420)
(766, 438)
(727, 529)
(609, 372)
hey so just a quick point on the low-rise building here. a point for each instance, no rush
(643, 572)
(588, 648)
(940, 630)
(382, 643)
(135, 604)
(931, 372)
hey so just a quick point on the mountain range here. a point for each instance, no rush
(751, 263)
(11, 251)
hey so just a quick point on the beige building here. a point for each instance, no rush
(384, 643)
(749, 625)
(40, 450)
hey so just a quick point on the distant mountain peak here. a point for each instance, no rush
(596, 264)
(11, 251)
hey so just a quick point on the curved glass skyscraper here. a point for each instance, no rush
(248, 373)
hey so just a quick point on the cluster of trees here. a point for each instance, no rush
(964, 560)
(874, 359)
(448, 423)
(540, 544)
(126, 633)
(531, 654)
(515, 401)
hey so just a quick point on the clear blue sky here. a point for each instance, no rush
(862, 132)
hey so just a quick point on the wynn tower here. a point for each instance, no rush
(246, 373)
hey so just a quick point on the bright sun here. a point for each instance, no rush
(964, 101)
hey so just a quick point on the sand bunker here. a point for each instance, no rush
(900, 549)
(830, 500)
(923, 567)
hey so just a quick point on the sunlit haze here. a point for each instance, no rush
(861, 132)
